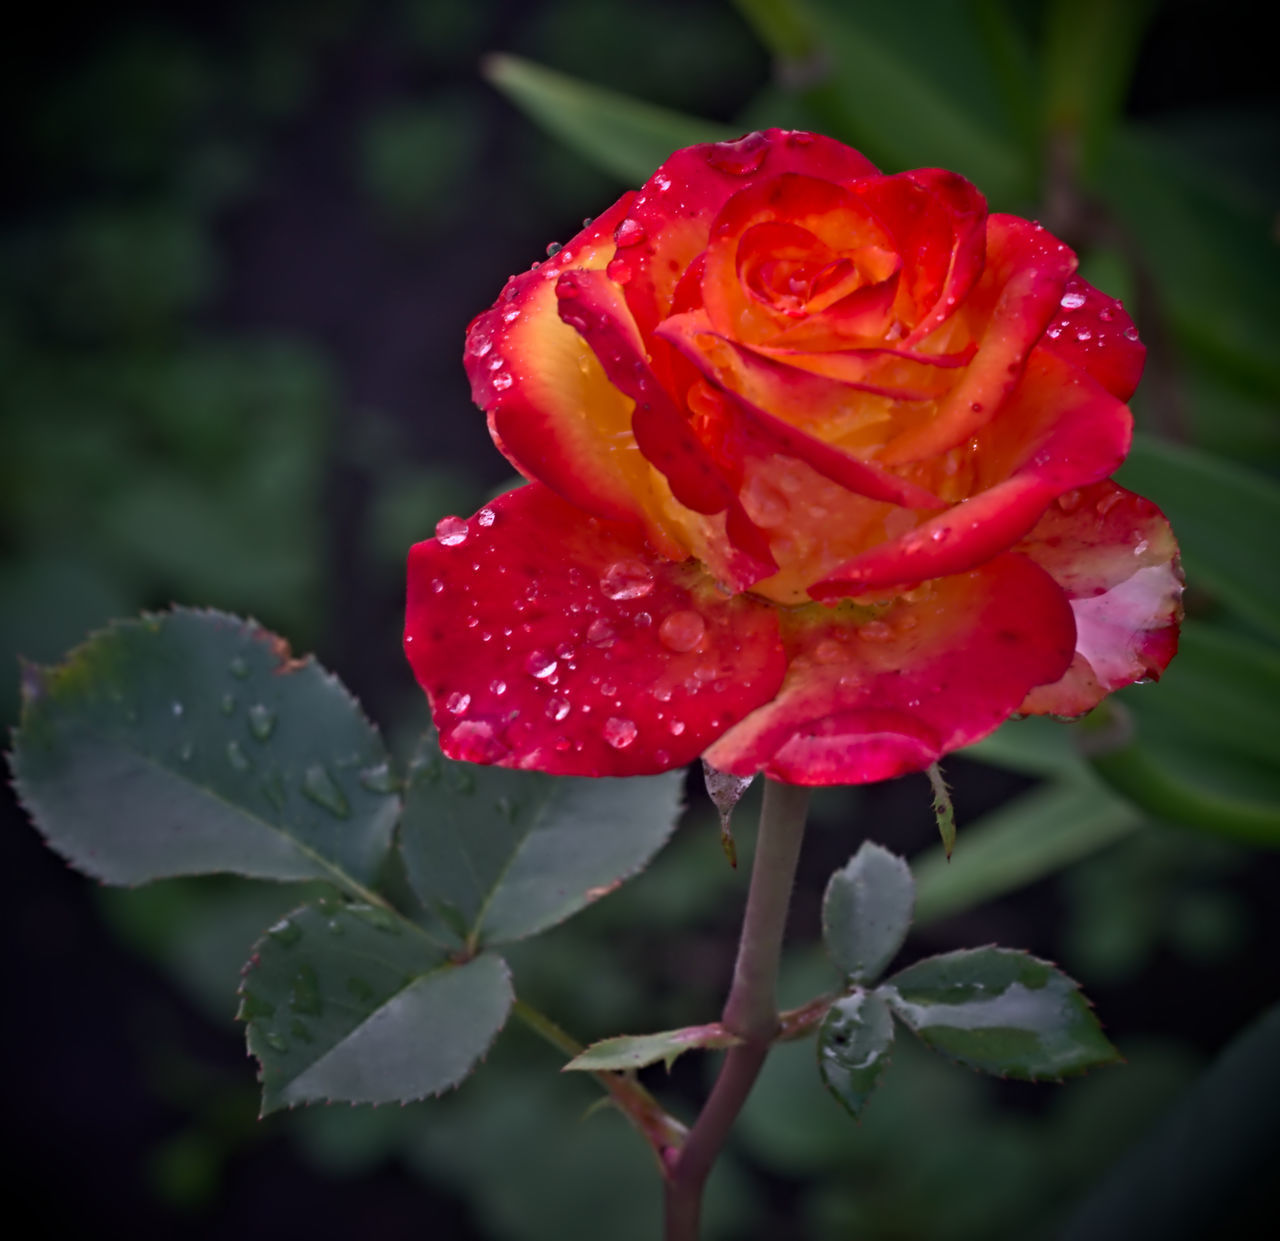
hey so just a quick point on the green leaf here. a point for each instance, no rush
(635, 1051)
(625, 137)
(943, 811)
(499, 855)
(1204, 1158)
(1000, 1011)
(353, 1003)
(1028, 838)
(191, 743)
(1201, 747)
(1212, 258)
(866, 911)
(1035, 746)
(854, 1042)
(909, 103)
(1219, 512)
(1089, 55)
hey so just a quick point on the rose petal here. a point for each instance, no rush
(552, 410)
(1094, 332)
(673, 212)
(869, 700)
(1013, 302)
(1059, 431)
(833, 219)
(1115, 557)
(595, 308)
(554, 641)
(938, 223)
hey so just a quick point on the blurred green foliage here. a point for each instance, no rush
(165, 438)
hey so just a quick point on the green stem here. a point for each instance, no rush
(751, 1011)
(658, 1127)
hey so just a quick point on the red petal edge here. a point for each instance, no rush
(558, 642)
(872, 700)
(1115, 557)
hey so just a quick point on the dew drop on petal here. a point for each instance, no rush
(619, 733)
(626, 579)
(557, 708)
(498, 687)
(618, 270)
(740, 158)
(502, 381)
(540, 665)
(629, 233)
(682, 631)
(600, 633)
(1083, 334)
(675, 727)
(451, 531)
(457, 702)
(1073, 299)
(436, 586)
(1131, 333)
(486, 517)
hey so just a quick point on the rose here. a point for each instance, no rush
(819, 464)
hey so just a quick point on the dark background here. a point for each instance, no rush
(241, 244)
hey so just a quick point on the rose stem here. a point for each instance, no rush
(751, 1011)
(661, 1130)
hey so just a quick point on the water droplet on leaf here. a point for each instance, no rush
(237, 757)
(262, 721)
(318, 786)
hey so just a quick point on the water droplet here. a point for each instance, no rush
(682, 631)
(629, 233)
(228, 704)
(378, 779)
(486, 517)
(498, 686)
(237, 757)
(875, 631)
(335, 926)
(1069, 501)
(619, 733)
(436, 586)
(273, 790)
(627, 579)
(502, 381)
(1083, 334)
(540, 665)
(186, 751)
(475, 741)
(618, 270)
(318, 785)
(1140, 547)
(661, 182)
(1131, 333)
(262, 721)
(828, 651)
(304, 995)
(675, 727)
(600, 633)
(765, 504)
(1073, 299)
(451, 531)
(239, 667)
(457, 702)
(739, 158)
(557, 709)
(285, 933)
(277, 1042)
(478, 345)
(177, 709)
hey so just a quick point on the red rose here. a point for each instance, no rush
(819, 465)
